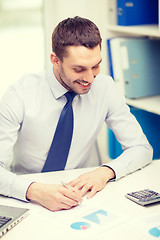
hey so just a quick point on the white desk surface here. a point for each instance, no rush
(44, 224)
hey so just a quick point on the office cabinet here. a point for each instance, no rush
(145, 109)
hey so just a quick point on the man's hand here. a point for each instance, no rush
(53, 196)
(93, 181)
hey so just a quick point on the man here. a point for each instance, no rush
(30, 110)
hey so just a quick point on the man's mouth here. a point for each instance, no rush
(84, 84)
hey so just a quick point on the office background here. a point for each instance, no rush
(25, 40)
(25, 37)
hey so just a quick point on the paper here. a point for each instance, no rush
(149, 226)
(88, 219)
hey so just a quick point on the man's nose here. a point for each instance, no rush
(88, 76)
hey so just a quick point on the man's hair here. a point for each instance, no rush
(75, 31)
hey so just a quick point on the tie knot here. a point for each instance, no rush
(70, 96)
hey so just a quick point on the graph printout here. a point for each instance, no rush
(89, 219)
(149, 226)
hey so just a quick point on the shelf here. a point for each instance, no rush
(143, 30)
(150, 104)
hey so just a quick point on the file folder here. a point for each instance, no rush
(112, 12)
(150, 124)
(114, 59)
(110, 58)
(134, 65)
(137, 12)
(141, 67)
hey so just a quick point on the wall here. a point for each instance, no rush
(57, 10)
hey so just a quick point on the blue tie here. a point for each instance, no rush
(58, 153)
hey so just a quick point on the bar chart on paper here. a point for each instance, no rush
(86, 220)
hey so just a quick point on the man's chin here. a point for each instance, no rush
(83, 92)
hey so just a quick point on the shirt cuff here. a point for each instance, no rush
(114, 178)
(20, 187)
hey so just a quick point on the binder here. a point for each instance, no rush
(114, 147)
(112, 12)
(137, 12)
(141, 70)
(151, 128)
(110, 58)
(115, 66)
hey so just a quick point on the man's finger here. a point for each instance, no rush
(91, 193)
(85, 189)
(71, 193)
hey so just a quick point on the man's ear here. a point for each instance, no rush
(54, 59)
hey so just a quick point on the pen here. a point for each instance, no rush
(66, 186)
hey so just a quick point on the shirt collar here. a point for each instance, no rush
(57, 89)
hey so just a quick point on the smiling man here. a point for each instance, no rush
(77, 71)
(32, 107)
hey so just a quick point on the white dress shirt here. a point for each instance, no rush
(29, 112)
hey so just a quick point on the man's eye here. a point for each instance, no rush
(78, 70)
(96, 67)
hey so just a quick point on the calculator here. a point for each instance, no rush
(144, 197)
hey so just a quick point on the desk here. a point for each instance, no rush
(44, 224)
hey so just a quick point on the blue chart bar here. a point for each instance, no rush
(94, 217)
(80, 226)
(155, 232)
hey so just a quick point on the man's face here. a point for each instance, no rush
(78, 69)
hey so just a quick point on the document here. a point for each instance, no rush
(87, 220)
(148, 225)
